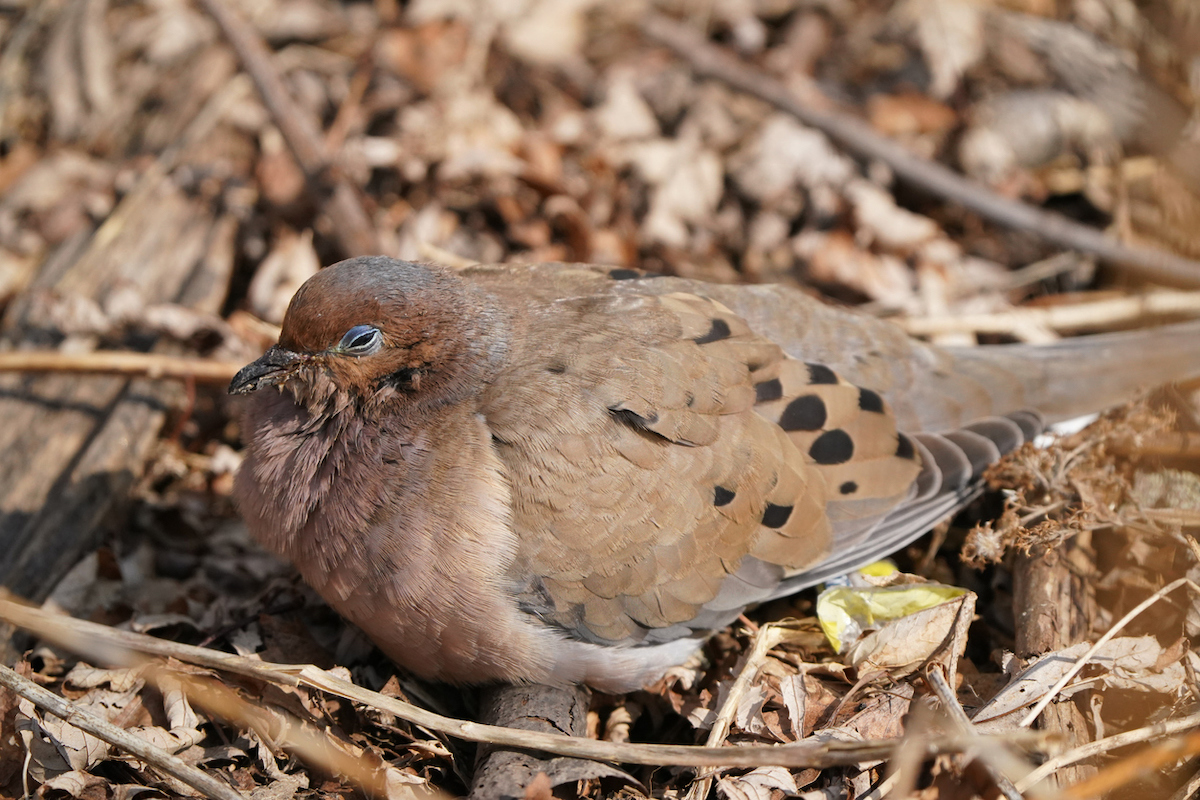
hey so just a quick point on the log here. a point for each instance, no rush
(1053, 609)
(74, 445)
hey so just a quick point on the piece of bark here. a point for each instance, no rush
(501, 773)
(1052, 610)
(74, 445)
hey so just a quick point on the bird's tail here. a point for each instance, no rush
(1083, 374)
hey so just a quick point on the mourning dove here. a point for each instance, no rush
(568, 473)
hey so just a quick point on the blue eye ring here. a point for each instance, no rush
(361, 340)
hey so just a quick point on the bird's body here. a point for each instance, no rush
(562, 473)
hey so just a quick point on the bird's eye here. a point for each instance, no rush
(361, 340)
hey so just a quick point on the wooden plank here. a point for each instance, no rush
(75, 444)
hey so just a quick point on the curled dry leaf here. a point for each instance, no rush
(783, 156)
(950, 36)
(1025, 129)
(903, 645)
(759, 784)
(292, 261)
(1131, 663)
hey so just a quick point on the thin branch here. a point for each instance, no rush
(1150, 761)
(853, 134)
(1101, 746)
(1103, 640)
(768, 637)
(936, 679)
(281, 729)
(112, 646)
(352, 225)
(117, 362)
(1068, 317)
(122, 739)
(1177, 444)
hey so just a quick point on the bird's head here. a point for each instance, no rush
(372, 330)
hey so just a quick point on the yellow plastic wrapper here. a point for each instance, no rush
(845, 612)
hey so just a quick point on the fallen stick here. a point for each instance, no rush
(1153, 265)
(120, 362)
(352, 225)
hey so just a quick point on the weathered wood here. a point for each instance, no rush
(73, 445)
(501, 773)
(1053, 609)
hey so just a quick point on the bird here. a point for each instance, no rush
(574, 474)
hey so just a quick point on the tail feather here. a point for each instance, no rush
(1085, 373)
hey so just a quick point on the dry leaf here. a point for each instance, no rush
(786, 155)
(904, 644)
(758, 784)
(547, 31)
(624, 115)
(292, 261)
(950, 35)
(881, 221)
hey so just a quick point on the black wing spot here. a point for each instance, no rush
(904, 447)
(819, 373)
(719, 330)
(768, 390)
(805, 413)
(632, 418)
(776, 516)
(832, 447)
(870, 401)
(849, 487)
(723, 496)
(624, 274)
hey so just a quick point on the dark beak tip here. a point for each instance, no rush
(243, 387)
(269, 369)
(249, 377)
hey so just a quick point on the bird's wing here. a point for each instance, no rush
(669, 466)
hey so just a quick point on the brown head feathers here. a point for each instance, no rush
(374, 328)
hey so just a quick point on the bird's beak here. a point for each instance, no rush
(273, 367)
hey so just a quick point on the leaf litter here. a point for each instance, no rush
(476, 133)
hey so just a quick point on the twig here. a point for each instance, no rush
(351, 104)
(280, 728)
(1178, 444)
(106, 731)
(1075, 316)
(1042, 270)
(707, 59)
(936, 679)
(1103, 640)
(119, 362)
(768, 637)
(1149, 761)
(352, 226)
(113, 646)
(1101, 746)
(905, 766)
(1189, 790)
